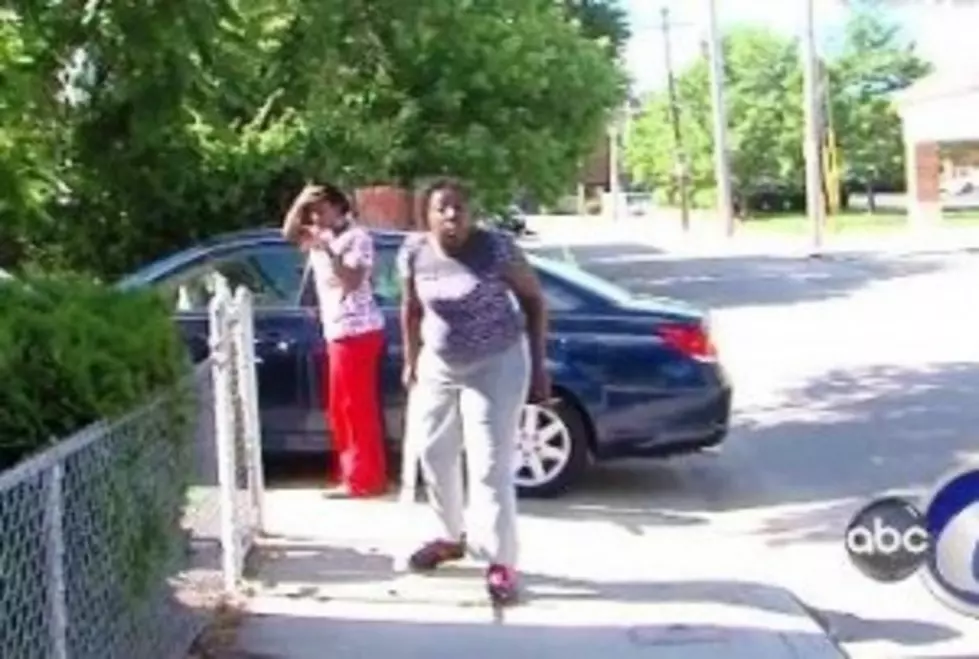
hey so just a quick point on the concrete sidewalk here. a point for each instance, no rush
(325, 588)
(705, 238)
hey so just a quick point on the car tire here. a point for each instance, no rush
(561, 474)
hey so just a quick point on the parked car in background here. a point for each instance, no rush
(959, 185)
(640, 204)
(774, 197)
(635, 377)
(511, 220)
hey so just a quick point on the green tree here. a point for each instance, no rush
(604, 20)
(193, 117)
(27, 137)
(651, 156)
(125, 81)
(874, 63)
(763, 87)
(504, 93)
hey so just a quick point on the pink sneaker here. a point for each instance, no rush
(501, 584)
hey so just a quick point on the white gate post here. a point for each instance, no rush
(248, 391)
(224, 430)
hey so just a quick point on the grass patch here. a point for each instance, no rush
(851, 223)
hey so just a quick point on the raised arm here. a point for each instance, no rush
(292, 224)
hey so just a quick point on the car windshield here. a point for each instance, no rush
(584, 280)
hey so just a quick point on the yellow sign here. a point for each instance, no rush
(831, 171)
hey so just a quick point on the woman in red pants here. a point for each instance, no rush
(341, 255)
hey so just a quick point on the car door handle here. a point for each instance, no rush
(274, 343)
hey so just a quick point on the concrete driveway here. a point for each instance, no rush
(854, 377)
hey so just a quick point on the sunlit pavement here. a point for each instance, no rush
(854, 378)
(593, 588)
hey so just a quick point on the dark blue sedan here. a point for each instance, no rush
(636, 377)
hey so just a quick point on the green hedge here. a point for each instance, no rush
(73, 352)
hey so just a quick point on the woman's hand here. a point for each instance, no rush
(293, 228)
(540, 386)
(307, 195)
(311, 238)
(408, 375)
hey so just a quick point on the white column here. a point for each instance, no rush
(613, 169)
(811, 144)
(721, 164)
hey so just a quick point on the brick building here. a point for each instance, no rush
(386, 207)
(940, 115)
(392, 207)
(596, 170)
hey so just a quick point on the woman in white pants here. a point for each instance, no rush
(472, 360)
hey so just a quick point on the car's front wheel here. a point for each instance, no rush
(552, 450)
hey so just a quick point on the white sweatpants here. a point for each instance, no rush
(475, 407)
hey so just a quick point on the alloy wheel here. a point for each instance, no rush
(544, 446)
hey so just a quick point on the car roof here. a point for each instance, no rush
(584, 282)
(225, 242)
(230, 241)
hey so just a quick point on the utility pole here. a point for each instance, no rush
(681, 160)
(615, 190)
(812, 148)
(722, 167)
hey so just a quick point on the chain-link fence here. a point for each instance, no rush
(116, 542)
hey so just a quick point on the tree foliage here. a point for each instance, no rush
(761, 69)
(192, 117)
(604, 20)
(763, 94)
(873, 64)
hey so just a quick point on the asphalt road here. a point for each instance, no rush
(853, 378)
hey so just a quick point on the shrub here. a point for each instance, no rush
(73, 352)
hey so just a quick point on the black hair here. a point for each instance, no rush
(440, 185)
(335, 197)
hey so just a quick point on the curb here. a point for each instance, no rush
(675, 252)
(820, 620)
(820, 641)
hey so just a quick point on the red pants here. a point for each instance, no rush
(353, 409)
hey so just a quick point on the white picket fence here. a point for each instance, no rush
(237, 428)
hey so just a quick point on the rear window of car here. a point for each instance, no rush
(584, 280)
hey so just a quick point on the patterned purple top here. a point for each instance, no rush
(469, 312)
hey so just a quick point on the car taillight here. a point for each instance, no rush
(691, 340)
